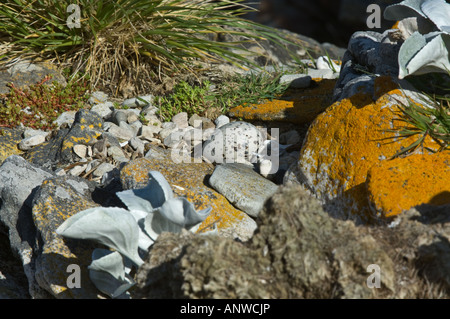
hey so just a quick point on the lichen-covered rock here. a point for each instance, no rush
(295, 106)
(9, 138)
(56, 200)
(397, 185)
(298, 251)
(19, 181)
(345, 141)
(85, 130)
(190, 180)
(24, 73)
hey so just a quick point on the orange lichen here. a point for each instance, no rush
(296, 106)
(190, 184)
(345, 141)
(397, 185)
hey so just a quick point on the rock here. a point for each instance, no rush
(167, 129)
(188, 180)
(221, 121)
(105, 109)
(181, 120)
(345, 141)
(116, 152)
(323, 63)
(323, 74)
(29, 132)
(137, 145)
(56, 200)
(131, 128)
(9, 141)
(298, 251)
(85, 130)
(233, 143)
(141, 101)
(78, 170)
(296, 106)
(153, 120)
(147, 131)
(297, 81)
(132, 117)
(102, 169)
(242, 186)
(195, 120)
(290, 137)
(67, 117)
(80, 150)
(98, 97)
(119, 116)
(24, 73)
(30, 142)
(400, 184)
(120, 132)
(19, 181)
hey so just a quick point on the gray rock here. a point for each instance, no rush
(137, 102)
(221, 120)
(297, 81)
(195, 121)
(133, 129)
(29, 132)
(242, 186)
(119, 116)
(81, 150)
(105, 109)
(30, 142)
(166, 131)
(290, 137)
(98, 97)
(102, 169)
(153, 120)
(181, 120)
(147, 131)
(119, 132)
(116, 152)
(137, 145)
(19, 181)
(67, 117)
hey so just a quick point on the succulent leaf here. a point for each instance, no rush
(404, 9)
(438, 11)
(112, 226)
(107, 272)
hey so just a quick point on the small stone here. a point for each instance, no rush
(132, 117)
(322, 74)
(105, 110)
(77, 170)
(137, 102)
(30, 142)
(67, 117)
(147, 132)
(120, 132)
(296, 81)
(165, 132)
(195, 121)
(174, 138)
(136, 127)
(102, 169)
(115, 152)
(169, 125)
(119, 116)
(32, 132)
(207, 123)
(80, 150)
(137, 145)
(181, 120)
(152, 120)
(98, 97)
(222, 120)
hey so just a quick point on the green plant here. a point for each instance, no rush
(233, 91)
(40, 104)
(423, 121)
(128, 39)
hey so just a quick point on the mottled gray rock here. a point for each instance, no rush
(234, 142)
(67, 117)
(242, 186)
(102, 169)
(119, 116)
(105, 109)
(122, 133)
(19, 181)
(137, 145)
(181, 120)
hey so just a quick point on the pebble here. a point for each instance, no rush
(137, 144)
(290, 137)
(30, 142)
(102, 169)
(29, 132)
(80, 150)
(98, 97)
(181, 120)
(105, 110)
(119, 116)
(120, 132)
(67, 117)
(137, 102)
(221, 121)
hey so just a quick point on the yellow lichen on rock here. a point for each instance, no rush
(396, 186)
(295, 106)
(345, 141)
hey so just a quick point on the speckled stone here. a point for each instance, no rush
(189, 180)
(9, 139)
(56, 200)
